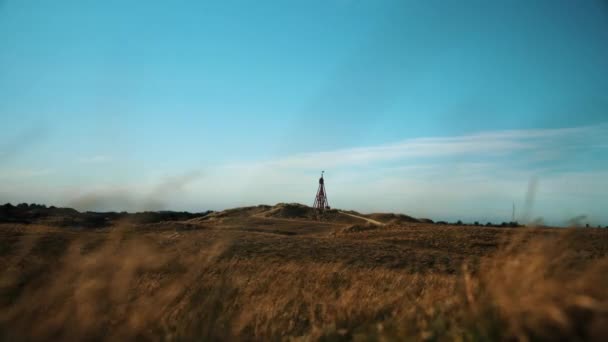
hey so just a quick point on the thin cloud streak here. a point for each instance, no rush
(98, 159)
(481, 144)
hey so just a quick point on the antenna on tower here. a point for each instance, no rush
(321, 202)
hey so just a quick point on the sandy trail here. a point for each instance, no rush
(377, 223)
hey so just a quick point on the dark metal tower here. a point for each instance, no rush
(321, 198)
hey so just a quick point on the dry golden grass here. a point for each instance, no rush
(254, 281)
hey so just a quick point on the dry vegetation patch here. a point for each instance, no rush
(421, 282)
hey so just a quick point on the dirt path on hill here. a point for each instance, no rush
(377, 223)
(261, 216)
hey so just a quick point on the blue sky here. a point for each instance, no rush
(447, 109)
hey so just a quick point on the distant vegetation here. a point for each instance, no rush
(68, 217)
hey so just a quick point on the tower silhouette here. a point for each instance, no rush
(321, 198)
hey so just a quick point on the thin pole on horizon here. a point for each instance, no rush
(513, 213)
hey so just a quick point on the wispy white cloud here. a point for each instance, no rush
(97, 159)
(21, 174)
(481, 144)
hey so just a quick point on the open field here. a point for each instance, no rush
(286, 272)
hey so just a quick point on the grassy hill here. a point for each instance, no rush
(288, 272)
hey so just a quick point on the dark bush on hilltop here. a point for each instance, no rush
(68, 217)
(28, 213)
(159, 216)
(355, 228)
(292, 210)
